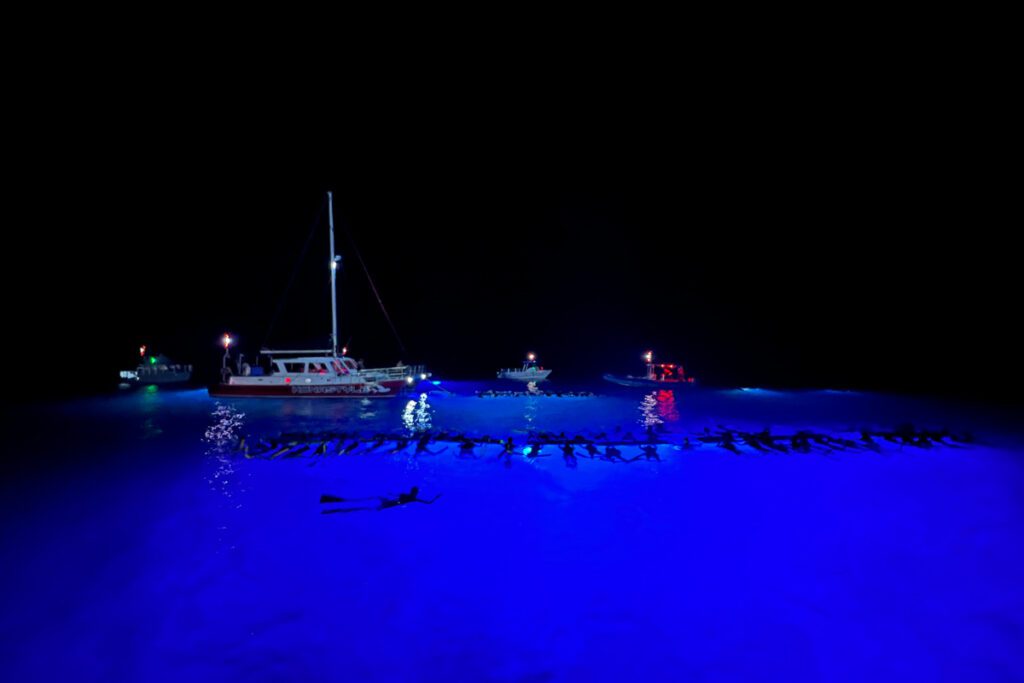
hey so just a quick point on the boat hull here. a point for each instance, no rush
(160, 381)
(142, 378)
(359, 391)
(647, 383)
(519, 376)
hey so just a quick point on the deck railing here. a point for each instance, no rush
(399, 372)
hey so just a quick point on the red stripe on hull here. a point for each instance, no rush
(298, 391)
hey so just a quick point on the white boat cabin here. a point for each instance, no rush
(310, 366)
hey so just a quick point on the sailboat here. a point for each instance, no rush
(314, 373)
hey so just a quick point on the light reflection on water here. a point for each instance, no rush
(657, 408)
(150, 403)
(530, 414)
(648, 411)
(227, 422)
(416, 417)
(222, 435)
(365, 413)
(667, 406)
(530, 407)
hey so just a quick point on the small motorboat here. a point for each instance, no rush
(155, 369)
(530, 372)
(659, 375)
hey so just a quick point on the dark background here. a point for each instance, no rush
(841, 238)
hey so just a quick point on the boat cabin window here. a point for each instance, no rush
(295, 367)
(339, 369)
(318, 368)
(349, 364)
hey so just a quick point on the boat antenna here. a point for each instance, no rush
(335, 260)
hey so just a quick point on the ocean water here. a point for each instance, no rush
(139, 543)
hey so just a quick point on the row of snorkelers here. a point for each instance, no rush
(491, 393)
(534, 443)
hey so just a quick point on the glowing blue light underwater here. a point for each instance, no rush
(757, 391)
(539, 515)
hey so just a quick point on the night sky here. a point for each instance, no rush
(834, 243)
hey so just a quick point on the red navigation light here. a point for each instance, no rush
(142, 351)
(287, 380)
(227, 341)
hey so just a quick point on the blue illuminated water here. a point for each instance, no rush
(138, 545)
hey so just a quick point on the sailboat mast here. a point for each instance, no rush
(334, 271)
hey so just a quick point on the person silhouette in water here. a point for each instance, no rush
(401, 499)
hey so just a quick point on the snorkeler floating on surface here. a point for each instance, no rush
(648, 451)
(400, 499)
(466, 447)
(423, 442)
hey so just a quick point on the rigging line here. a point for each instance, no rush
(366, 270)
(295, 271)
